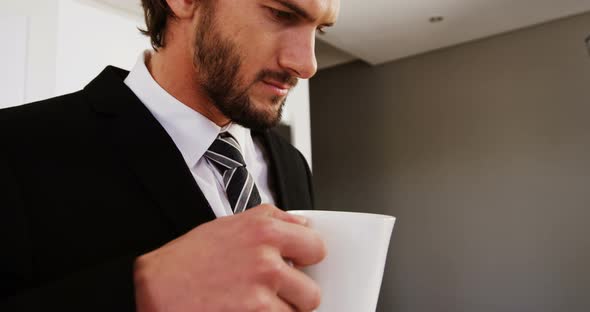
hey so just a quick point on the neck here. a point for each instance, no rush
(174, 71)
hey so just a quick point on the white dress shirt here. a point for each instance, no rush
(193, 133)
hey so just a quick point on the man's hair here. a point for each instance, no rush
(156, 14)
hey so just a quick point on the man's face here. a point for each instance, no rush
(250, 53)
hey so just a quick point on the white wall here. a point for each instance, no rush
(296, 114)
(92, 36)
(68, 42)
(13, 60)
(41, 44)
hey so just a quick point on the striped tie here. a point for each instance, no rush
(226, 156)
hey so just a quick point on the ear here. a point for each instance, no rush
(183, 9)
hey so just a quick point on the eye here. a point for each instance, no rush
(283, 16)
(321, 30)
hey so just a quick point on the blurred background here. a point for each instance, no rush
(468, 120)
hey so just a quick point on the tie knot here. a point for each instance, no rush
(225, 153)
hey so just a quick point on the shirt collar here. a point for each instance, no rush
(239, 133)
(192, 132)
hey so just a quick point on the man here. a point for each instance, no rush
(155, 190)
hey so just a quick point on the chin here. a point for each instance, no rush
(263, 117)
(270, 104)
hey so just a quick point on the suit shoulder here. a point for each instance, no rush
(50, 111)
(47, 120)
(48, 107)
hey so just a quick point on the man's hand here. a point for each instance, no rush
(234, 263)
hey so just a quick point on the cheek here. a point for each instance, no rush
(251, 66)
(247, 74)
(253, 34)
(259, 51)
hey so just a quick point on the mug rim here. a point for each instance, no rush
(344, 213)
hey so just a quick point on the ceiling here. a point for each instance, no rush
(379, 31)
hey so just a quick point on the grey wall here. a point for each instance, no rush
(482, 152)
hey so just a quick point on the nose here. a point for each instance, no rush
(297, 55)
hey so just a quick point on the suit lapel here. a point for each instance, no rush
(149, 151)
(277, 168)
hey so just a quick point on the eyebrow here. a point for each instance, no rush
(300, 11)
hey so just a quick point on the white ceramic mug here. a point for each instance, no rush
(350, 276)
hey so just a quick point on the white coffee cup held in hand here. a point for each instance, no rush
(350, 276)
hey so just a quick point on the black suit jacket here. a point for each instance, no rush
(88, 182)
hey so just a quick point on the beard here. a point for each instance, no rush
(218, 62)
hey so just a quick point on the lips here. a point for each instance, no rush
(278, 84)
(276, 88)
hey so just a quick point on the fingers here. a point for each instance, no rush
(274, 303)
(285, 216)
(282, 306)
(296, 242)
(301, 245)
(299, 290)
(290, 240)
